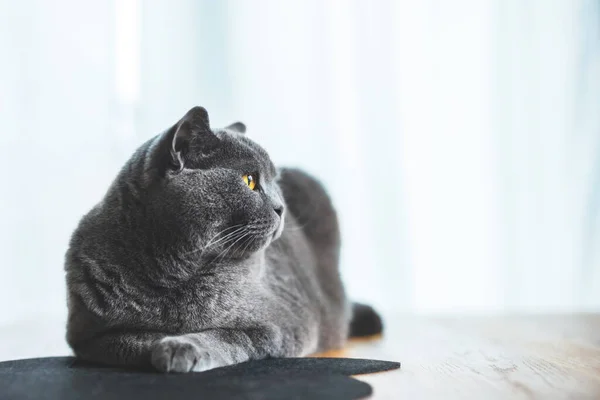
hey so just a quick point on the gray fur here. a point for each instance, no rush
(183, 267)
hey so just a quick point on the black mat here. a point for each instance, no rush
(65, 378)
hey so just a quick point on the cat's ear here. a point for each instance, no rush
(194, 122)
(237, 127)
(193, 127)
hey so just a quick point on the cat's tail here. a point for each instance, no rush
(365, 321)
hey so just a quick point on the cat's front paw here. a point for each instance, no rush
(180, 354)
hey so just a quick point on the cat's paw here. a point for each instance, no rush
(179, 354)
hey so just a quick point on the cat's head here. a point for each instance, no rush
(216, 185)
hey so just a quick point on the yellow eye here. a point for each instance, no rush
(249, 181)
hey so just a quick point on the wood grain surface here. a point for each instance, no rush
(501, 357)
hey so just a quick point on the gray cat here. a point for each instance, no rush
(202, 254)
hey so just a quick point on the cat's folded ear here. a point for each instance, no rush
(191, 134)
(194, 122)
(237, 127)
(185, 143)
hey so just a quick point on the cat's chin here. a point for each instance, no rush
(259, 244)
(247, 250)
(279, 230)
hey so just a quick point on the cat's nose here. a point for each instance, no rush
(278, 210)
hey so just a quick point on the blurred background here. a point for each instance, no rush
(460, 140)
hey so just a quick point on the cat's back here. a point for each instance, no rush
(312, 210)
(311, 243)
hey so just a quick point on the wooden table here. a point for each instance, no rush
(516, 357)
(519, 357)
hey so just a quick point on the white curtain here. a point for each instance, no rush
(57, 141)
(460, 140)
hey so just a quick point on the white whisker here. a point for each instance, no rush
(222, 255)
(212, 243)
